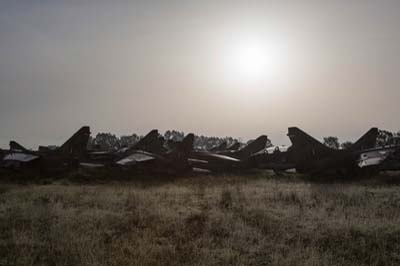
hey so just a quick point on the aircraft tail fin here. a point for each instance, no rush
(184, 148)
(302, 140)
(152, 142)
(147, 140)
(367, 141)
(255, 146)
(15, 146)
(76, 145)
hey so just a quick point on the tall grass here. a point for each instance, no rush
(231, 220)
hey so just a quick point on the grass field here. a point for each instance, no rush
(255, 219)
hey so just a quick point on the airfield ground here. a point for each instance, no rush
(256, 219)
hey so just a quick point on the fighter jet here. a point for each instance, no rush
(228, 160)
(172, 162)
(311, 156)
(298, 155)
(152, 143)
(62, 158)
(253, 147)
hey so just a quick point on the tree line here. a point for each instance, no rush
(109, 141)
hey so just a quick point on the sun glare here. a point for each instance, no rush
(255, 61)
(249, 60)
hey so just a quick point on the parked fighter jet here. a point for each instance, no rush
(152, 142)
(172, 162)
(311, 156)
(227, 160)
(61, 158)
(253, 147)
(285, 158)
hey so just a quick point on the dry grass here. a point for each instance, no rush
(231, 220)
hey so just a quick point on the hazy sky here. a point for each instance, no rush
(238, 68)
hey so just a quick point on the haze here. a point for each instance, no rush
(219, 68)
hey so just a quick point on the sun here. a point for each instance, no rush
(255, 60)
(248, 60)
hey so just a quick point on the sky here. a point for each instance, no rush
(218, 68)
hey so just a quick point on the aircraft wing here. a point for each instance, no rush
(224, 157)
(91, 165)
(136, 158)
(192, 160)
(99, 153)
(20, 157)
(207, 156)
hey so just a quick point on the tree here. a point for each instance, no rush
(107, 141)
(384, 138)
(346, 145)
(174, 135)
(129, 141)
(332, 142)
